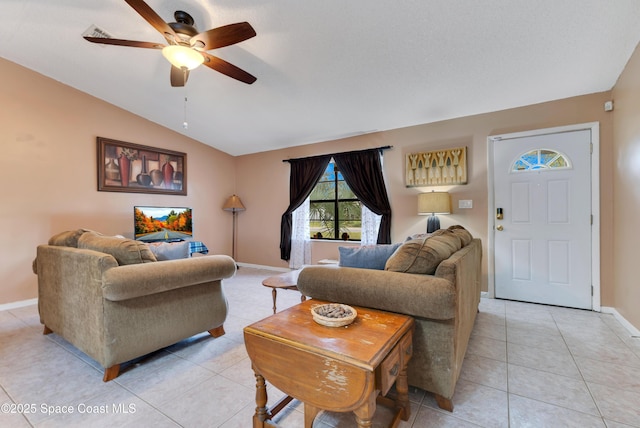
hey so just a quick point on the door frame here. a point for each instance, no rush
(594, 127)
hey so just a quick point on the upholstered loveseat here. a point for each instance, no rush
(434, 279)
(113, 300)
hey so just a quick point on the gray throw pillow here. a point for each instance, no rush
(366, 256)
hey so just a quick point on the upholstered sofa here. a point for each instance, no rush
(436, 280)
(110, 297)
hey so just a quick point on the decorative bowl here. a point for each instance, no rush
(333, 314)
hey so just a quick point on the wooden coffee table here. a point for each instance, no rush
(338, 369)
(284, 281)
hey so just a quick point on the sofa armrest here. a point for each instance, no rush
(423, 296)
(131, 281)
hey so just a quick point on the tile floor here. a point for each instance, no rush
(527, 366)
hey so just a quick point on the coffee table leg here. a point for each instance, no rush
(402, 387)
(274, 293)
(310, 413)
(364, 414)
(262, 413)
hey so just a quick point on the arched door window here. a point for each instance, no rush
(540, 159)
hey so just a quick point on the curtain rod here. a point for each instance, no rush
(341, 153)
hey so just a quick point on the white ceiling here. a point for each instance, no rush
(333, 68)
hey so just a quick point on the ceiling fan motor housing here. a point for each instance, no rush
(183, 26)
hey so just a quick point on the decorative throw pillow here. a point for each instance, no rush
(170, 250)
(462, 233)
(125, 251)
(448, 238)
(366, 256)
(67, 239)
(419, 256)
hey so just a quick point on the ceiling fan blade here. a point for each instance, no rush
(224, 36)
(228, 69)
(120, 42)
(152, 18)
(178, 76)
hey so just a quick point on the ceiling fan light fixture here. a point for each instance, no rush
(183, 56)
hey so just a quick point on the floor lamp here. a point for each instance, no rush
(233, 204)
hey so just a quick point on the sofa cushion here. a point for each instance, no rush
(424, 255)
(366, 256)
(125, 251)
(68, 238)
(462, 233)
(170, 250)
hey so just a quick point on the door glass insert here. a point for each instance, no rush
(540, 159)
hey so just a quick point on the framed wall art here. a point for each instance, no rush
(437, 168)
(127, 167)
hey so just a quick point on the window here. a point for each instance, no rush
(540, 159)
(334, 210)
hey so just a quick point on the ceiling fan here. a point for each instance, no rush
(186, 47)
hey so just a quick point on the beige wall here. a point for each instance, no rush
(263, 179)
(626, 191)
(48, 173)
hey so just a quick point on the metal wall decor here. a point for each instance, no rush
(437, 168)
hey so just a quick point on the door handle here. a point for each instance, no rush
(499, 228)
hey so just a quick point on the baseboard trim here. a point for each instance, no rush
(16, 305)
(626, 324)
(254, 266)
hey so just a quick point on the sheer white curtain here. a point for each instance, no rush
(370, 227)
(300, 237)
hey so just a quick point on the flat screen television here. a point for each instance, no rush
(155, 224)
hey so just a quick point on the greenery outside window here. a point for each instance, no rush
(334, 210)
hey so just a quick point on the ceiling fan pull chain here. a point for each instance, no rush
(185, 124)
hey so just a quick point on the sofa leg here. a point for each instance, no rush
(111, 373)
(217, 332)
(444, 403)
(47, 330)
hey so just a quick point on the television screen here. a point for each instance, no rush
(162, 223)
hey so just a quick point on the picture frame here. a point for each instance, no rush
(134, 168)
(437, 168)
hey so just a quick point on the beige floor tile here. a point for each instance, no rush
(543, 328)
(12, 415)
(169, 381)
(485, 371)
(615, 352)
(208, 404)
(428, 417)
(528, 413)
(208, 382)
(549, 361)
(611, 374)
(617, 405)
(527, 337)
(487, 347)
(552, 389)
(477, 404)
(489, 329)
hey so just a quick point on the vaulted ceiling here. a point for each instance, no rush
(334, 68)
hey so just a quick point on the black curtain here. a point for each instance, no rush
(362, 171)
(305, 174)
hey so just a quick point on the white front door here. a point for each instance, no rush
(542, 188)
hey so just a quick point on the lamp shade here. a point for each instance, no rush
(233, 204)
(182, 56)
(434, 203)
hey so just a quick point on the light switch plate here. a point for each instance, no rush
(465, 203)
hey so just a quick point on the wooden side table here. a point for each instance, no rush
(337, 369)
(284, 281)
